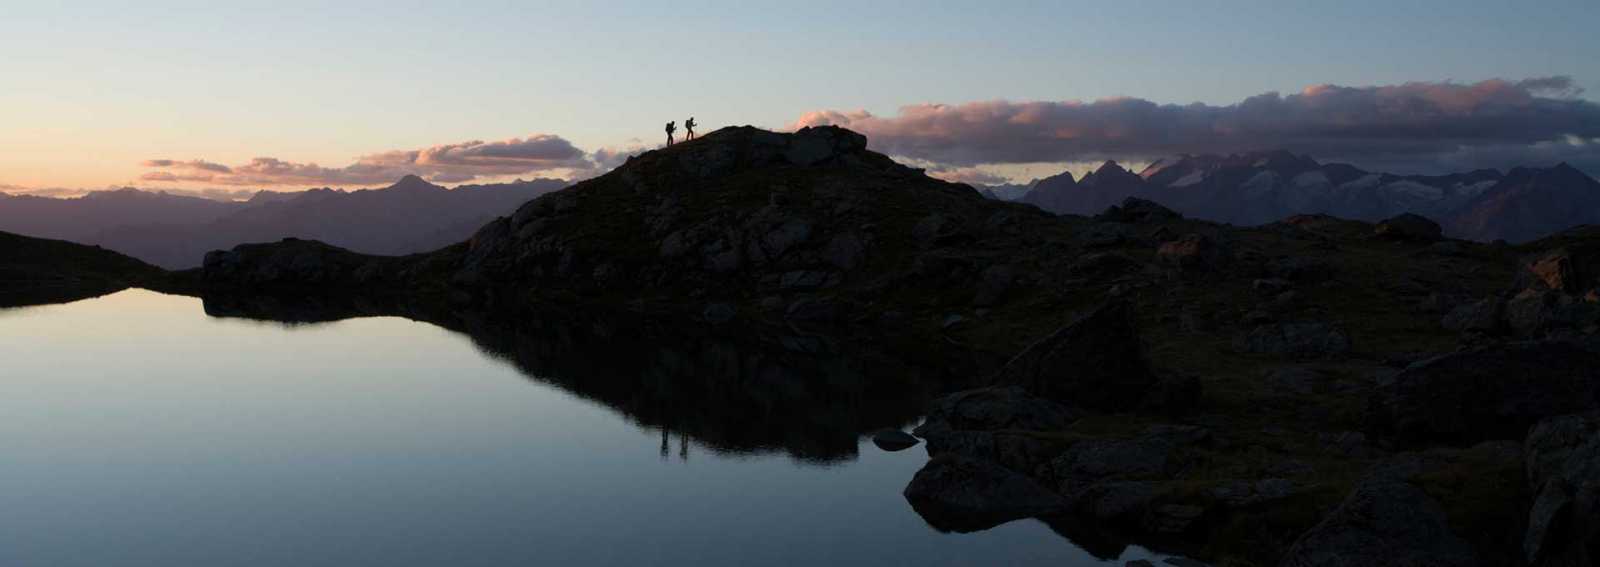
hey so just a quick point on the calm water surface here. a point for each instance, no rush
(140, 431)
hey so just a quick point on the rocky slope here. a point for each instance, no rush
(37, 270)
(1312, 391)
(1259, 188)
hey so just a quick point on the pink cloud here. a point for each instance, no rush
(1420, 121)
(448, 163)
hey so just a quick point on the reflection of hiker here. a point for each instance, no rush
(688, 127)
(671, 127)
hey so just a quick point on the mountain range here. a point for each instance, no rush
(1263, 187)
(175, 231)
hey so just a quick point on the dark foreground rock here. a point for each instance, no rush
(1563, 470)
(1384, 522)
(1094, 362)
(1573, 269)
(1489, 393)
(963, 494)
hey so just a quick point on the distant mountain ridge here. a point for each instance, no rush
(175, 231)
(1262, 187)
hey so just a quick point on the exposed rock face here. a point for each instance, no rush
(1094, 362)
(958, 493)
(1409, 227)
(1489, 393)
(1194, 253)
(1568, 269)
(1384, 521)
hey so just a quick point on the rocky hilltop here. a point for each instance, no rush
(1311, 391)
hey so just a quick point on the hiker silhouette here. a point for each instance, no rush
(688, 127)
(671, 127)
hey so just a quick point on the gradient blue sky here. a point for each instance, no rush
(90, 89)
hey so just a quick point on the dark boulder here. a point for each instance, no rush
(1384, 521)
(1563, 468)
(1408, 226)
(962, 494)
(1568, 269)
(1489, 393)
(1540, 313)
(1094, 362)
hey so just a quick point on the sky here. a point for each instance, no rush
(244, 95)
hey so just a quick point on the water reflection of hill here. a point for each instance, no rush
(736, 390)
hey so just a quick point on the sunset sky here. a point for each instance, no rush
(190, 95)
